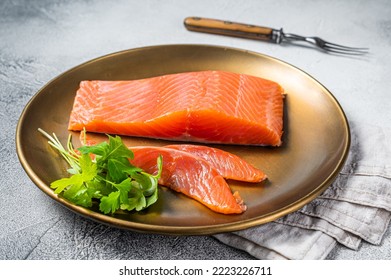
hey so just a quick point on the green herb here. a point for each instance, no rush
(103, 172)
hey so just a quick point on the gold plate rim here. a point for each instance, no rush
(21, 147)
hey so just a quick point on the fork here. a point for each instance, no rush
(277, 36)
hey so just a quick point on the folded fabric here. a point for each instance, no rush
(356, 207)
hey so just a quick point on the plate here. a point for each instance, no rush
(315, 145)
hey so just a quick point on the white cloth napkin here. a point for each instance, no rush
(356, 207)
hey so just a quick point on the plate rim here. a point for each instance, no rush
(181, 230)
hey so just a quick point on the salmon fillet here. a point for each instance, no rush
(205, 106)
(190, 175)
(196, 171)
(228, 165)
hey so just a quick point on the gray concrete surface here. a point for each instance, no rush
(41, 39)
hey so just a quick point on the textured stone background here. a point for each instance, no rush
(41, 39)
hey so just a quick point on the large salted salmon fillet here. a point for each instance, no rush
(190, 175)
(205, 106)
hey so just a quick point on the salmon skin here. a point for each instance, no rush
(190, 175)
(205, 107)
(228, 165)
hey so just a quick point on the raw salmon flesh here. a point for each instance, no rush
(228, 165)
(192, 176)
(197, 171)
(205, 106)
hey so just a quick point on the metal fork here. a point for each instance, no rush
(320, 43)
(277, 36)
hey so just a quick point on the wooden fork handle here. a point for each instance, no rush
(229, 28)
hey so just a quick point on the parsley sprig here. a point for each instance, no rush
(103, 172)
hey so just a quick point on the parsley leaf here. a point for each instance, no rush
(110, 203)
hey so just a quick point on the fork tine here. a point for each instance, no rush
(340, 48)
(350, 51)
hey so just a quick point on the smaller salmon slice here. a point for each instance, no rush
(228, 165)
(191, 175)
